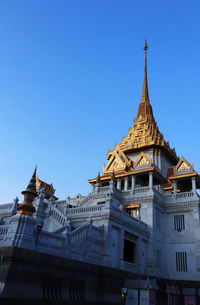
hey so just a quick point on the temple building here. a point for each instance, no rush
(135, 238)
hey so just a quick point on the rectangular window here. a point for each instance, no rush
(130, 247)
(179, 222)
(181, 262)
(129, 251)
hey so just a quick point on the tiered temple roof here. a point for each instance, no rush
(144, 134)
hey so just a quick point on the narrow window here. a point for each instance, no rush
(181, 262)
(129, 182)
(122, 184)
(179, 222)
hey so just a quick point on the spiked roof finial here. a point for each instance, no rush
(112, 177)
(32, 184)
(98, 179)
(145, 93)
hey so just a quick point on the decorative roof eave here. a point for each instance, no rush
(182, 176)
(139, 171)
(48, 188)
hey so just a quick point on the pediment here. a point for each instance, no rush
(118, 161)
(142, 160)
(183, 165)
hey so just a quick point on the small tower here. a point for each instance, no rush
(26, 208)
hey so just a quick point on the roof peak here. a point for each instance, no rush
(145, 92)
(145, 108)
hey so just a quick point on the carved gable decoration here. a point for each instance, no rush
(183, 165)
(118, 161)
(142, 160)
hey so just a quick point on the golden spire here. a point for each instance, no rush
(145, 109)
(145, 93)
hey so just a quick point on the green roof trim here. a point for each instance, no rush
(32, 184)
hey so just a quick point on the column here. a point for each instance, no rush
(151, 180)
(119, 184)
(194, 185)
(175, 187)
(133, 182)
(92, 187)
(126, 184)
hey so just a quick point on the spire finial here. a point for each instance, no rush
(145, 46)
(145, 93)
(98, 179)
(26, 208)
(112, 177)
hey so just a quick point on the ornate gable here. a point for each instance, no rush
(142, 160)
(183, 165)
(118, 161)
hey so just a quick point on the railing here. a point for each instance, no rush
(158, 194)
(79, 235)
(178, 196)
(76, 236)
(83, 209)
(104, 188)
(141, 189)
(3, 230)
(183, 195)
(58, 216)
(6, 206)
(51, 240)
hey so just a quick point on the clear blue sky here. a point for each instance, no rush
(71, 76)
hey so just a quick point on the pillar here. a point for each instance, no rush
(151, 180)
(194, 185)
(175, 187)
(119, 184)
(133, 182)
(126, 184)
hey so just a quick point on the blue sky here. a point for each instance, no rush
(71, 75)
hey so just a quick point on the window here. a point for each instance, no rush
(179, 222)
(130, 247)
(181, 262)
(122, 184)
(129, 182)
(132, 209)
(129, 251)
(77, 290)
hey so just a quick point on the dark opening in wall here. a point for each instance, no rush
(105, 183)
(122, 184)
(129, 251)
(129, 183)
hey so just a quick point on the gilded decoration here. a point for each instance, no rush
(142, 160)
(145, 132)
(183, 165)
(118, 161)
